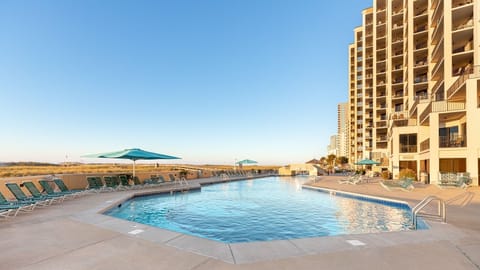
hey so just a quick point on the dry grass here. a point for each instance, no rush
(23, 170)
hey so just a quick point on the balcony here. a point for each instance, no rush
(425, 145)
(447, 106)
(421, 79)
(460, 3)
(420, 29)
(381, 124)
(452, 141)
(382, 138)
(466, 24)
(408, 148)
(397, 80)
(424, 116)
(469, 73)
(398, 116)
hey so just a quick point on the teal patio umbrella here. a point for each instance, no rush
(132, 154)
(367, 162)
(246, 161)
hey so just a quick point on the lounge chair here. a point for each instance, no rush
(403, 184)
(110, 183)
(50, 191)
(355, 179)
(95, 184)
(61, 185)
(137, 183)
(21, 197)
(124, 182)
(5, 213)
(172, 178)
(38, 195)
(12, 208)
(117, 184)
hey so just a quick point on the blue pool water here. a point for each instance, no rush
(263, 209)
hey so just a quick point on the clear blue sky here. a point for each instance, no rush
(209, 81)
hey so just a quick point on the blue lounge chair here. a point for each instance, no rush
(50, 191)
(12, 208)
(95, 184)
(38, 195)
(124, 182)
(21, 197)
(61, 185)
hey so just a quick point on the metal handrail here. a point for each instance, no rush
(442, 210)
(181, 181)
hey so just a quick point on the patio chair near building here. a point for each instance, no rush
(454, 180)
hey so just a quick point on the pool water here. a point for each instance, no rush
(264, 209)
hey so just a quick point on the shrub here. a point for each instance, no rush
(386, 175)
(407, 173)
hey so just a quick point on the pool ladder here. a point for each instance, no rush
(440, 216)
(181, 181)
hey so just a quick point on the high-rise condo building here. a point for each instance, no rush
(343, 128)
(414, 88)
(332, 147)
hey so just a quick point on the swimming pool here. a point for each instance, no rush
(272, 208)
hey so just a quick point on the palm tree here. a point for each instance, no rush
(331, 159)
(323, 161)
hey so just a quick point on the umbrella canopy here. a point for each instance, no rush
(367, 162)
(132, 154)
(246, 161)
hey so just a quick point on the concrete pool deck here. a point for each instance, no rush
(72, 235)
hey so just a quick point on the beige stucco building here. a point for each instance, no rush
(300, 169)
(414, 87)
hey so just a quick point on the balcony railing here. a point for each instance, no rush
(421, 79)
(381, 124)
(414, 106)
(398, 115)
(467, 24)
(461, 3)
(446, 106)
(408, 148)
(454, 140)
(423, 116)
(468, 73)
(381, 138)
(425, 145)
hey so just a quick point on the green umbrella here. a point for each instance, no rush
(367, 162)
(246, 161)
(132, 154)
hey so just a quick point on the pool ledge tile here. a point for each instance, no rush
(264, 251)
(322, 245)
(203, 246)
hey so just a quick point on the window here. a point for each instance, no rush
(399, 107)
(408, 143)
(450, 137)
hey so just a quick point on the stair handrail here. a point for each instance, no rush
(442, 212)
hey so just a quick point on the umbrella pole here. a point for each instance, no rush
(133, 168)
